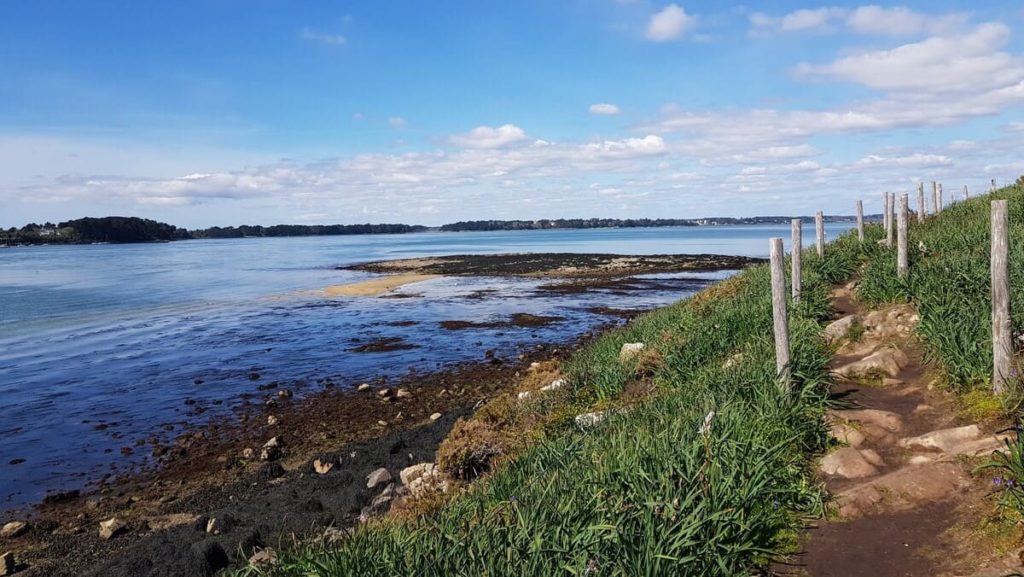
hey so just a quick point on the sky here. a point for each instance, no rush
(228, 112)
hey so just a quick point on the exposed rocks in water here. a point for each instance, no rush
(384, 345)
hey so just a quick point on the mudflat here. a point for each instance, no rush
(376, 286)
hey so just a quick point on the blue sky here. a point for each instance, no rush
(265, 111)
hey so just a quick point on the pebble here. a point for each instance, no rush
(435, 416)
(13, 529)
(384, 392)
(403, 393)
(284, 394)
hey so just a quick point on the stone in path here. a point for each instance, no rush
(885, 362)
(848, 463)
(904, 489)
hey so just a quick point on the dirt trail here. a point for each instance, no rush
(908, 503)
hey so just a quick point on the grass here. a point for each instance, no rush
(648, 491)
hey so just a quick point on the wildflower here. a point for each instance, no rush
(997, 481)
(591, 567)
(513, 499)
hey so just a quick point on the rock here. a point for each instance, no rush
(284, 394)
(886, 361)
(377, 477)
(322, 467)
(846, 434)
(891, 382)
(272, 420)
(263, 557)
(904, 488)
(111, 528)
(7, 564)
(946, 440)
(363, 387)
(733, 360)
(922, 408)
(920, 460)
(435, 416)
(403, 394)
(270, 471)
(248, 453)
(382, 423)
(587, 420)
(377, 507)
(630, 350)
(411, 473)
(271, 450)
(838, 329)
(384, 393)
(872, 457)
(13, 529)
(887, 420)
(848, 463)
(523, 395)
(554, 386)
(218, 525)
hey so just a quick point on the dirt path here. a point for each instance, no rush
(908, 503)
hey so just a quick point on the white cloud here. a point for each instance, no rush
(604, 109)
(969, 62)
(487, 137)
(898, 21)
(323, 37)
(804, 20)
(396, 122)
(669, 24)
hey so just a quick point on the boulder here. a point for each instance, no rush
(630, 350)
(111, 528)
(848, 463)
(884, 362)
(378, 477)
(944, 440)
(7, 564)
(837, 330)
(13, 529)
(844, 433)
(904, 488)
(271, 450)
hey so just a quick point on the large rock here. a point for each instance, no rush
(378, 477)
(411, 473)
(898, 321)
(905, 488)
(966, 440)
(838, 329)
(884, 362)
(13, 529)
(848, 463)
(423, 478)
(844, 433)
(887, 420)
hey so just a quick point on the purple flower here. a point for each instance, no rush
(997, 481)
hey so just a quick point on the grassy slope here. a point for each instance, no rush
(949, 283)
(644, 493)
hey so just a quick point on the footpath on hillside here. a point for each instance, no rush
(908, 498)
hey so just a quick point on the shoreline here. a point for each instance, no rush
(377, 286)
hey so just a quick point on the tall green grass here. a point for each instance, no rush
(949, 282)
(649, 491)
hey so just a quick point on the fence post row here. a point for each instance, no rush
(936, 207)
(819, 229)
(1001, 351)
(921, 209)
(887, 218)
(940, 196)
(901, 237)
(860, 220)
(780, 320)
(796, 274)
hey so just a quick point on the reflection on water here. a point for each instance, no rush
(102, 345)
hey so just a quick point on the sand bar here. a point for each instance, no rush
(376, 286)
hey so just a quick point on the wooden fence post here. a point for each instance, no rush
(887, 220)
(860, 220)
(901, 237)
(921, 209)
(936, 207)
(967, 195)
(796, 274)
(780, 320)
(993, 189)
(819, 229)
(940, 196)
(1001, 344)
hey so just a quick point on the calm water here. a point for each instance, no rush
(103, 345)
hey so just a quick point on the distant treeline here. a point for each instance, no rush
(304, 230)
(90, 230)
(480, 225)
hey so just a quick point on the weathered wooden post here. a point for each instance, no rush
(936, 207)
(940, 196)
(1001, 351)
(901, 237)
(887, 220)
(860, 220)
(967, 195)
(795, 275)
(780, 320)
(993, 189)
(921, 209)
(819, 229)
